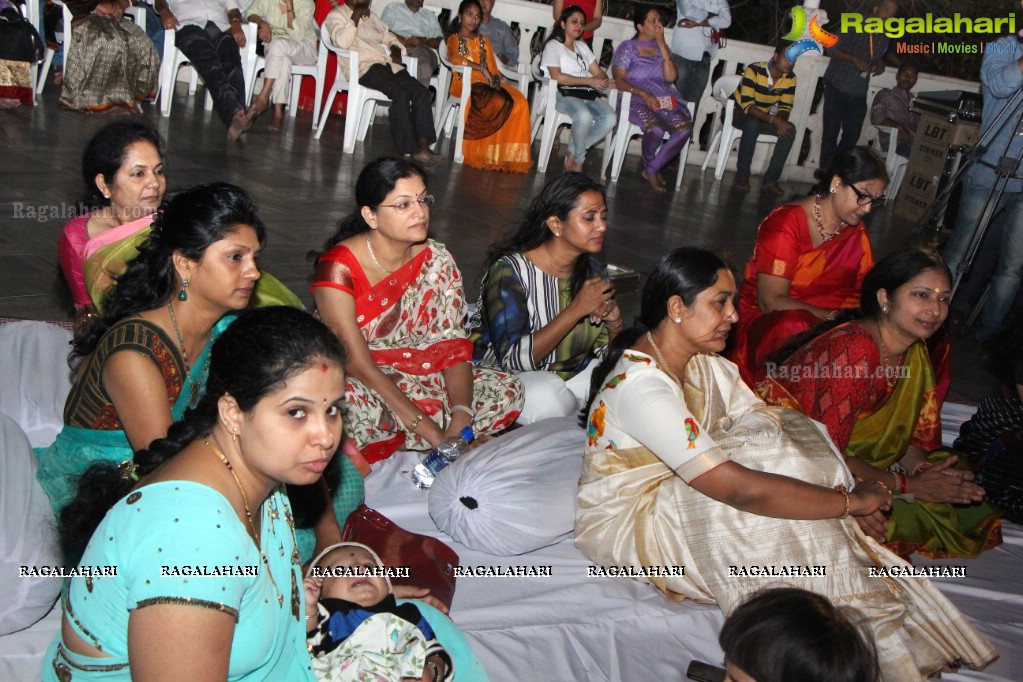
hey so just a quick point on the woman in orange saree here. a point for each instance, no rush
(808, 262)
(497, 129)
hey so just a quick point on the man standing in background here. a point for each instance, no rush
(694, 42)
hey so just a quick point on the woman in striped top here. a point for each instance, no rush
(546, 307)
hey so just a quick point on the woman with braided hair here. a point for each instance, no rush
(199, 527)
(197, 266)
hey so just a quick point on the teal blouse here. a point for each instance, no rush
(156, 539)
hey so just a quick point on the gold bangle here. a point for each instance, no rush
(415, 422)
(845, 493)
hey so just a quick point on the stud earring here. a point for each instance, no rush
(557, 234)
(832, 190)
(884, 309)
(677, 320)
(183, 295)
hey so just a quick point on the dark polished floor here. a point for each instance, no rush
(303, 186)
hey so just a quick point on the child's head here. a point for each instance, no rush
(364, 590)
(791, 634)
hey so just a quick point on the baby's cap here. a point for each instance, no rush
(376, 557)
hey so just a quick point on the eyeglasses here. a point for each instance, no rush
(425, 201)
(862, 198)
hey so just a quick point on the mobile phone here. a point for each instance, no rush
(704, 672)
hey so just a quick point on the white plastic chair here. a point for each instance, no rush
(625, 131)
(546, 116)
(37, 71)
(174, 59)
(317, 71)
(725, 139)
(453, 108)
(894, 164)
(361, 100)
(137, 14)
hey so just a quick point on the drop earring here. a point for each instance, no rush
(183, 295)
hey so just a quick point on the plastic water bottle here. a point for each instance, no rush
(450, 449)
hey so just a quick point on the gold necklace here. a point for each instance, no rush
(819, 219)
(890, 378)
(660, 360)
(192, 383)
(369, 246)
(248, 517)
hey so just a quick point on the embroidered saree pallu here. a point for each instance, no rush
(634, 509)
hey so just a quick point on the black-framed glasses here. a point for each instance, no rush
(862, 198)
(425, 201)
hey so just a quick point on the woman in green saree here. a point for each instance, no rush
(870, 381)
(197, 268)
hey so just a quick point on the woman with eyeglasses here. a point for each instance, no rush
(394, 297)
(809, 260)
(874, 363)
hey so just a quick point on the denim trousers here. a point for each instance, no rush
(1003, 235)
(592, 120)
(752, 128)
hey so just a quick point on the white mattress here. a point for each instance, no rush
(569, 627)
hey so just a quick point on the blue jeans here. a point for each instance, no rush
(842, 113)
(592, 120)
(692, 78)
(1004, 235)
(752, 128)
(154, 27)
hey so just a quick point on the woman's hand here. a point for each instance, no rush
(940, 483)
(607, 312)
(648, 99)
(419, 594)
(659, 35)
(874, 524)
(459, 420)
(868, 497)
(601, 82)
(592, 296)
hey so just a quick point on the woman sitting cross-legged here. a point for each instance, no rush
(870, 381)
(394, 297)
(497, 129)
(685, 466)
(809, 260)
(145, 360)
(546, 309)
(208, 497)
(580, 80)
(643, 67)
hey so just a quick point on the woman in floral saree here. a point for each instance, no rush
(808, 262)
(871, 383)
(497, 129)
(394, 298)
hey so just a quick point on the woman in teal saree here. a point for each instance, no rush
(197, 268)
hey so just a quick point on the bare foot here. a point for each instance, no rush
(742, 184)
(572, 165)
(275, 124)
(257, 108)
(240, 122)
(654, 182)
(428, 158)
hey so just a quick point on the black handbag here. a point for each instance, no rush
(580, 91)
